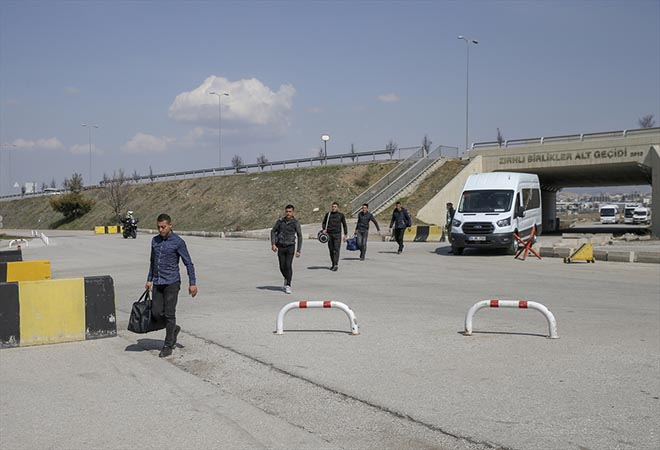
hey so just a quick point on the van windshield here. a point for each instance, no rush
(485, 201)
(608, 212)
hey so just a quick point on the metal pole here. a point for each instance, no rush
(467, 95)
(89, 181)
(219, 131)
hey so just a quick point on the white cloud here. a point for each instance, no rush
(147, 144)
(314, 110)
(39, 144)
(71, 90)
(251, 106)
(82, 149)
(389, 98)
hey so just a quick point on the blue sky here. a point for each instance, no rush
(364, 72)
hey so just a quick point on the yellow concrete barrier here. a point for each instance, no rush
(27, 271)
(52, 311)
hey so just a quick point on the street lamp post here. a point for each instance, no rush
(325, 138)
(89, 127)
(219, 94)
(467, 85)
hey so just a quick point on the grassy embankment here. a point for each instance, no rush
(233, 202)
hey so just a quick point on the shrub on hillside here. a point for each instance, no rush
(71, 205)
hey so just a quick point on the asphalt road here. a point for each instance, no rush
(410, 380)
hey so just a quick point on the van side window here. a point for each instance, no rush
(531, 198)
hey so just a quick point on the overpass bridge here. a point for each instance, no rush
(612, 158)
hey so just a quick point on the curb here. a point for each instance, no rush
(601, 254)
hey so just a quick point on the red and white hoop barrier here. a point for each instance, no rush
(317, 304)
(18, 242)
(521, 304)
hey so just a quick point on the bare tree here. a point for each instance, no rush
(426, 145)
(43, 186)
(53, 184)
(321, 154)
(500, 138)
(646, 121)
(392, 147)
(117, 191)
(135, 176)
(262, 161)
(151, 174)
(236, 162)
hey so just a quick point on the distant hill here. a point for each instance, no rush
(231, 202)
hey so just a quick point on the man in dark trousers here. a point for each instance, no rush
(450, 217)
(164, 280)
(283, 238)
(332, 226)
(362, 229)
(401, 220)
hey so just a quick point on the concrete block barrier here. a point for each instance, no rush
(109, 229)
(52, 311)
(621, 256)
(12, 255)
(648, 257)
(24, 271)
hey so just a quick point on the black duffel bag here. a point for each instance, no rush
(140, 320)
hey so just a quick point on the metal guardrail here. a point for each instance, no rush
(340, 158)
(567, 138)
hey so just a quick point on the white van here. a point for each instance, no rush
(641, 215)
(609, 214)
(493, 206)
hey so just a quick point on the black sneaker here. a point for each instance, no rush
(165, 352)
(176, 335)
(335, 268)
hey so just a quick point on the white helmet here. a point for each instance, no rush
(130, 213)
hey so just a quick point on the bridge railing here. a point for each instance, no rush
(567, 138)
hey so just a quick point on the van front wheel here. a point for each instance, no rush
(457, 250)
(513, 247)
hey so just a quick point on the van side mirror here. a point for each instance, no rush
(520, 211)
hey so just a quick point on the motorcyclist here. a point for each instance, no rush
(130, 225)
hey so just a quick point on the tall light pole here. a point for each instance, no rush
(467, 86)
(89, 127)
(219, 94)
(325, 138)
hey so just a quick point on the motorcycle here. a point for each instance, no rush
(130, 228)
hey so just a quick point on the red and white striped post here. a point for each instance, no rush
(317, 304)
(521, 304)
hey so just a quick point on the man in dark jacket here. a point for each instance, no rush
(401, 220)
(332, 226)
(286, 240)
(362, 229)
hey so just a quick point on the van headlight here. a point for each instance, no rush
(455, 223)
(504, 222)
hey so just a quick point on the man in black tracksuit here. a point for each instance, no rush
(362, 229)
(283, 237)
(401, 220)
(332, 225)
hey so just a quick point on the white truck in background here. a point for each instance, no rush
(628, 213)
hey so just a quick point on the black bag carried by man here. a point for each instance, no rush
(140, 320)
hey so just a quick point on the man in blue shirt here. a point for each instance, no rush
(164, 280)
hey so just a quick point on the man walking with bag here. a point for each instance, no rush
(362, 229)
(401, 220)
(332, 226)
(164, 280)
(283, 238)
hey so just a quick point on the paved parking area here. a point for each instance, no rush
(411, 379)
